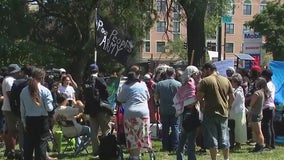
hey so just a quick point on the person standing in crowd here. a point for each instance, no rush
(63, 74)
(245, 84)
(214, 91)
(36, 102)
(268, 112)
(134, 95)
(179, 73)
(254, 73)
(238, 113)
(255, 114)
(186, 100)
(154, 112)
(164, 93)
(2, 143)
(230, 71)
(67, 89)
(14, 99)
(10, 118)
(99, 116)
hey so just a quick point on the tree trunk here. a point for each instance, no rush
(195, 11)
(78, 67)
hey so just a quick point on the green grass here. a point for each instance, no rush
(242, 154)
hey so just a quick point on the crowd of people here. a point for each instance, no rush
(225, 112)
(233, 110)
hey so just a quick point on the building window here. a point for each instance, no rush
(176, 26)
(161, 5)
(147, 35)
(262, 5)
(147, 46)
(230, 27)
(176, 36)
(176, 11)
(161, 47)
(246, 28)
(161, 26)
(247, 7)
(229, 47)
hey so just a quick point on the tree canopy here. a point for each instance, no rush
(63, 32)
(270, 23)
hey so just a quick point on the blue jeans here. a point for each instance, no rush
(85, 134)
(190, 138)
(268, 127)
(170, 140)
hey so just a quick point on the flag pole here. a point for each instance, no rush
(95, 52)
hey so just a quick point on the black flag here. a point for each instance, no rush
(113, 42)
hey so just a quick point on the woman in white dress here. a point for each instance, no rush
(238, 112)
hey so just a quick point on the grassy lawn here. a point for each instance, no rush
(242, 154)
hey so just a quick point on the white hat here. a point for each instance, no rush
(188, 72)
(62, 70)
(231, 69)
(147, 76)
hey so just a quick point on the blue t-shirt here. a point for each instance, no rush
(167, 89)
(134, 97)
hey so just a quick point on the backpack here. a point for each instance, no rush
(109, 148)
(91, 96)
(14, 97)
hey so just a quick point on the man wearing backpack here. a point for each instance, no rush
(14, 99)
(12, 121)
(95, 91)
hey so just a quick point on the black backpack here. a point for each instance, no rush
(14, 97)
(91, 97)
(95, 91)
(109, 148)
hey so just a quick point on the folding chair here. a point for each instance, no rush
(53, 140)
(70, 133)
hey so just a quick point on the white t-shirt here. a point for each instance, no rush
(6, 87)
(68, 90)
(269, 102)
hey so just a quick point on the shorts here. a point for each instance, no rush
(137, 133)
(12, 121)
(216, 132)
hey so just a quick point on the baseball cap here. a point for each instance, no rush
(94, 67)
(256, 68)
(13, 68)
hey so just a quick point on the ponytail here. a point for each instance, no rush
(34, 92)
(37, 77)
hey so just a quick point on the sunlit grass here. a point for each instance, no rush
(242, 154)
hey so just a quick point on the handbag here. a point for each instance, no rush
(190, 119)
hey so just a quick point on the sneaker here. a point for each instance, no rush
(267, 149)
(51, 158)
(201, 151)
(251, 142)
(258, 148)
